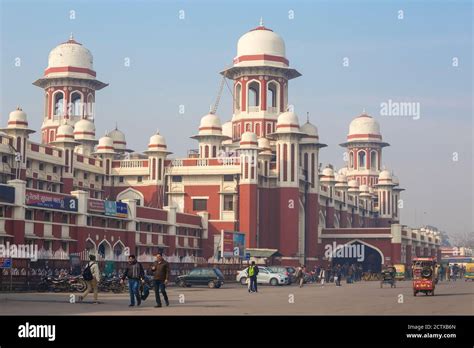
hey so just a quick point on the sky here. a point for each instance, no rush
(403, 51)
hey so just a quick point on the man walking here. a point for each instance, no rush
(253, 273)
(300, 275)
(161, 274)
(91, 276)
(134, 272)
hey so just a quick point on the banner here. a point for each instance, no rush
(96, 205)
(232, 244)
(7, 194)
(46, 200)
(117, 209)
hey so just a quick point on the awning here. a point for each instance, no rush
(263, 253)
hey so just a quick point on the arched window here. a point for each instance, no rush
(214, 151)
(58, 104)
(238, 96)
(89, 110)
(254, 94)
(257, 129)
(269, 128)
(351, 159)
(75, 105)
(206, 151)
(248, 127)
(373, 160)
(361, 160)
(272, 95)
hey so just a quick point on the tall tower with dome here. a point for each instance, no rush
(260, 72)
(70, 83)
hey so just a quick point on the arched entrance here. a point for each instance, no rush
(104, 250)
(357, 252)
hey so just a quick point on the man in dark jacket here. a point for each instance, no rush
(135, 274)
(161, 274)
(253, 273)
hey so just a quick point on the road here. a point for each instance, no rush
(363, 298)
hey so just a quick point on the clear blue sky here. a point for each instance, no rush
(177, 62)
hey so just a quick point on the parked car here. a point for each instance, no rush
(212, 277)
(288, 271)
(265, 276)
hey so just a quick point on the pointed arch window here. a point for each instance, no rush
(238, 96)
(373, 160)
(272, 96)
(76, 104)
(361, 160)
(254, 94)
(58, 104)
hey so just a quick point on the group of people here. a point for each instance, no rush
(452, 272)
(135, 274)
(331, 273)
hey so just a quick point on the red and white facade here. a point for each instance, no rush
(258, 174)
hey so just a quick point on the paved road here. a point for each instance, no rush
(362, 298)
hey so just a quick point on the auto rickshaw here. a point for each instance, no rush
(400, 271)
(469, 274)
(388, 277)
(424, 275)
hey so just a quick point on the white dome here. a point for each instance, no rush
(84, 129)
(364, 127)
(106, 145)
(385, 177)
(157, 143)
(261, 46)
(364, 188)
(73, 55)
(227, 129)
(248, 140)
(264, 144)
(309, 129)
(17, 119)
(328, 172)
(343, 171)
(65, 133)
(210, 125)
(118, 138)
(341, 178)
(353, 184)
(288, 122)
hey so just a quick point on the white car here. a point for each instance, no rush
(265, 276)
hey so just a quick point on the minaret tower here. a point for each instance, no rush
(364, 149)
(70, 84)
(260, 72)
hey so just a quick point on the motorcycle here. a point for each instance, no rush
(50, 283)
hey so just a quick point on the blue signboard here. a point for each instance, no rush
(6, 262)
(7, 194)
(118, 209)
(51, 201)
(247, 256)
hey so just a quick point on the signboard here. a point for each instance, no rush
(247, 256)
(7, 194)
(46, 200)
(95, 205)
(6, 262)
(117, 209)
(109, 208)
(232, 244)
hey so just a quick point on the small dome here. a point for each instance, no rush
(311, 133)
(157, 143)
(248, 140)
(327, 175)
(261, 46)
(264, 144)
(17, 119)
(65, 133)
(227, 129)
(342, 171)
(341, 178)
(364, 188)
(70, 59)
(385, 177)
(210, 125)
(288, 122)
(118, 138)
(106, 145)
(353, 184)
(395, 180)
(84, 129)
(364, 127)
